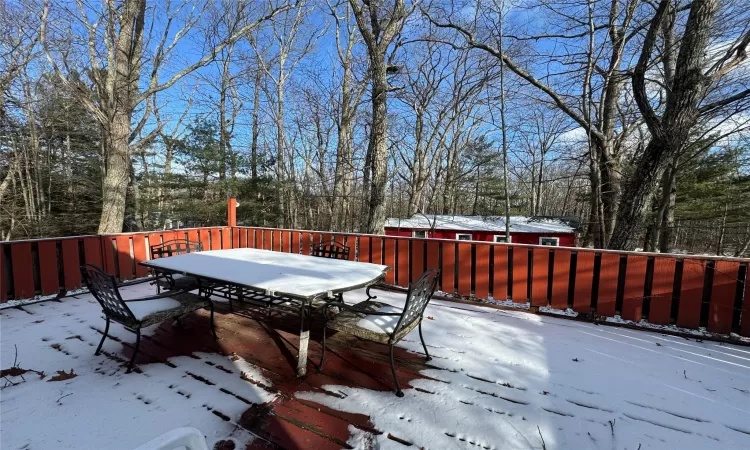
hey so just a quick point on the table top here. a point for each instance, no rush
(289, 274)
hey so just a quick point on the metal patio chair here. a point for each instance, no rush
(138, 313)
(383, 323)
(331, 249)
(165, 280)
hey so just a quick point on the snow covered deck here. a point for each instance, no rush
(499, 379)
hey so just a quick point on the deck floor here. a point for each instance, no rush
(248, 334)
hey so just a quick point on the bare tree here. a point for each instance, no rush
(115, 39)
(379, 25)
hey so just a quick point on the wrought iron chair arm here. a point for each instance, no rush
(165, 294)
(345, 307)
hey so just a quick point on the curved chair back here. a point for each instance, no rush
(103, 287)
(332, 249)
(175, 247)
(420, 293)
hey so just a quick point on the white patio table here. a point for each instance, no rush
(306, 279)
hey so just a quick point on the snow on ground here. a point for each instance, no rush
(102, 407)
(508, 380)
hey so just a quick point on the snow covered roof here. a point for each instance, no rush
(518, 224)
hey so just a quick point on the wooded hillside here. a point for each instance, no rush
(334, 115)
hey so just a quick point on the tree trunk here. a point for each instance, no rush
(256, 124)
(668, 199)
(378, 146)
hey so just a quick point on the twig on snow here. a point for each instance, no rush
(612, 426)
(544, 446)
(66, 395)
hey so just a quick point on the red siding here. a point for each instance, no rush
(566, 239)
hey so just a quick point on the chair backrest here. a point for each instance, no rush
(103, 287)
(175, 247)
(331, 249)
(420, 293)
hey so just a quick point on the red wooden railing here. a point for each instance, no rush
(688, 291)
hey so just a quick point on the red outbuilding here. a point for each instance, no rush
(523, 230)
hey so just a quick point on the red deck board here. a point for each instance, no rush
(23, 278)
(482, 271)
(723, 291)
(389, 259)
(48, 267)
(539, 276)
(500, 272)
(584, 280)
(124, 258)
(520, 293)
(71, 264)
(403, 263)
(691, 293)
(447, 271)
(608, 276)
(139, 253)
(635, 281)
(661, 291)
(560, 279)
(464, 269)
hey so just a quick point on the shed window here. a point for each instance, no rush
(553, 241)
(419, 233)
(501, 238)
(463, 237)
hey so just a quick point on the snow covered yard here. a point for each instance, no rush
(498, 379)
(511, 380)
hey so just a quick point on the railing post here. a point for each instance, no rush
(231, 212)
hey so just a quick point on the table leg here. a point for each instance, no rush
(304, 340)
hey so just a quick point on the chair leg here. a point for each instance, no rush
(135, 351)
(369, 296)
(323, 353)
(427, 354)
(213, 327)
(393, 371)
(106, 330)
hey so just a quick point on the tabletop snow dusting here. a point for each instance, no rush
(507, 380)
(283, 273)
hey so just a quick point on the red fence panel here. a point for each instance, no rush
(464, 269)
(745, 324)
(351, 242)
(23, 269)
(584, 282)
(71, 264)
(635, 281)
(92, 250)
(609, 274)
(560, 279)
(376, 250)
(389, 259)
(661, 290)
(500, 272)
(539, 276)
(723, 292)
(4, 286)
(482, 271)
(124, 259)
(691, 293)
(417, 258)
(520, 292)
(48, 267)
(402, 265)
(226, 238)
(448, 270)
(139, 254)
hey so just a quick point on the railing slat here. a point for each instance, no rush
(226, 239)
(520, 292)
(92, 250)
(193, 236)
(267, 240)
(23, 270)
(449, 267)
(139, 254)
(539, 276)
(389, 259)
(464, 269)
(50, 283)
(71, 264)
(305, 238)
(691, 294)
(4, 286)
(125, 261)
(608, 277)
(584, 282)
(364, 249)
(661, 290)
(417, 259)
(723, 291)
(500, 272)
(482, 271)
(635, 281)
(351, 242)
(745, 323)
(561, 279)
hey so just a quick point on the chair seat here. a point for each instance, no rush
(149, 312)
(371, 327)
